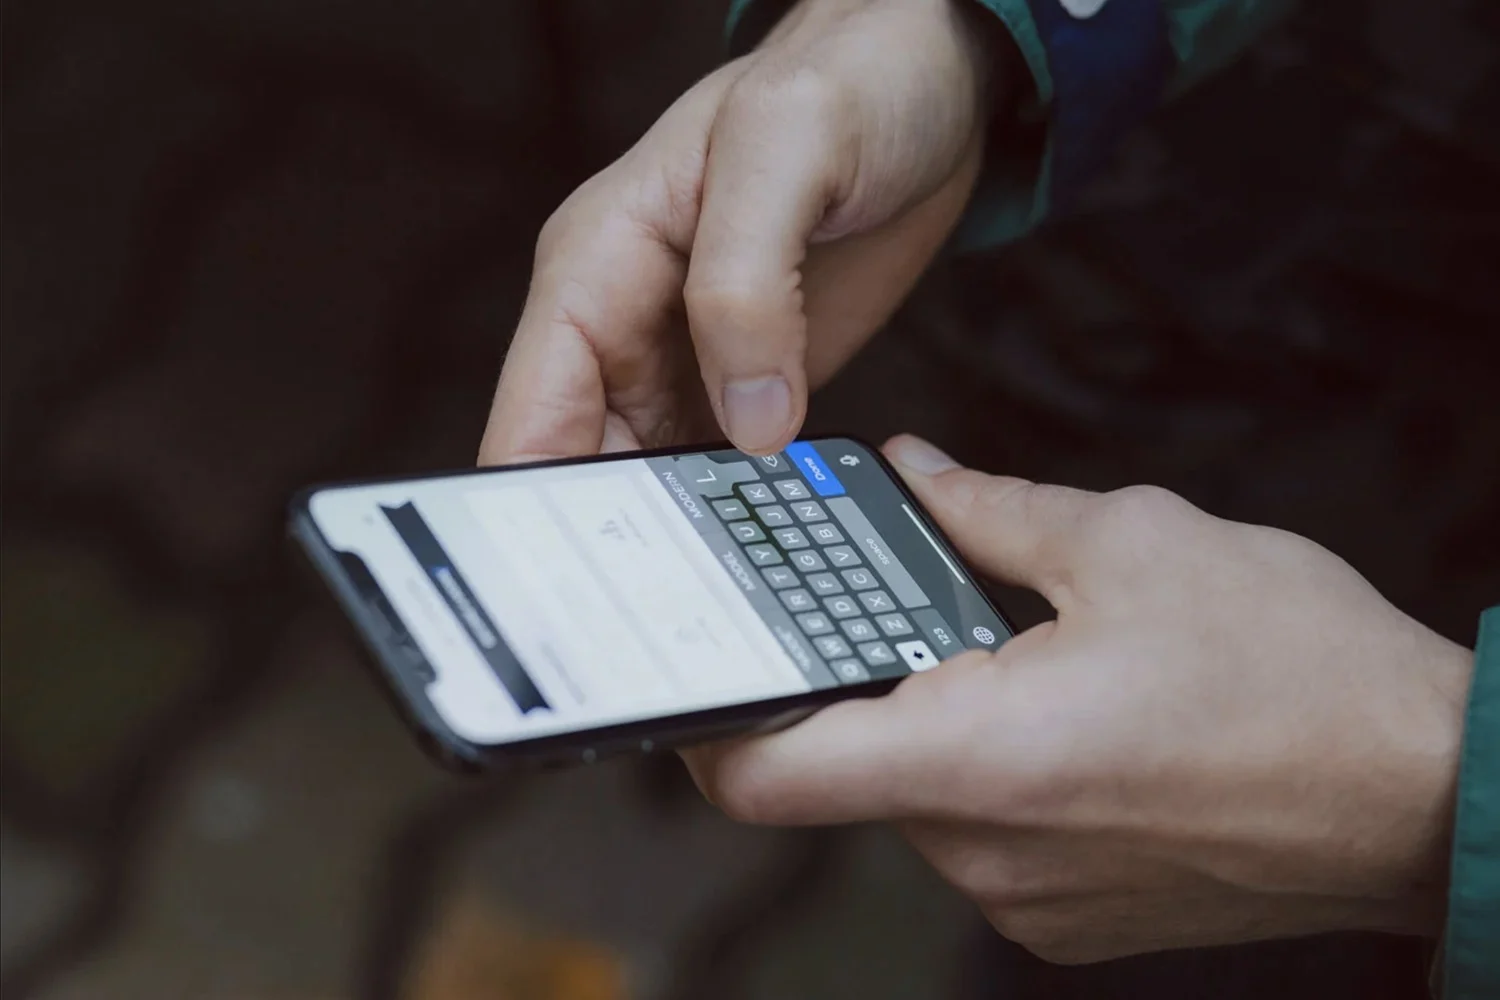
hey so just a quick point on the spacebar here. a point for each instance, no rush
(863, 534)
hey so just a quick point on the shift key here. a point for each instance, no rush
(864, 536)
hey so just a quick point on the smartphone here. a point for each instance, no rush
(566, 611)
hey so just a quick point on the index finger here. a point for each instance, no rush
(550, 400)
(609, 276)
(598, 307)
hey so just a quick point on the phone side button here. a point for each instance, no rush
(595, 754)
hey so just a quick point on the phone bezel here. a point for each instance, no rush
(584, 745)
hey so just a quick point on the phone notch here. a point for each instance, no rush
(389, 630)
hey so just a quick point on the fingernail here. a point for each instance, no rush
(920, 457)
(757, 411)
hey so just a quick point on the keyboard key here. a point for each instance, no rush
(790, 538)
(942, 637)
(877, 654)
(757, 493)
(859, 579)
(877, 602)
(897, 578)
(747, 531)
(860, 630)
(894, 624)
(843, 555)
(798, 600)
(806, 458)
(792, 489)
(779, 577)
(714, 479)
(808, 561)
(917, 655)
(825, 534)
(824, 584)
(849, 671)
(832, 647)
(773, 463)
(796, 647)
(763, 555)
(841, 607)
(731, 510)
(814, 623)
(809, 510)
(773, 517)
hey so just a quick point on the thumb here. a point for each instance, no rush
(1018, 532)
(771, 174)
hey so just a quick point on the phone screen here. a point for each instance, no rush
(560, 598)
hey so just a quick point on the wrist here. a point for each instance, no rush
(1430, 794)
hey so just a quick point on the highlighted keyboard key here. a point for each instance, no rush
(811, 464)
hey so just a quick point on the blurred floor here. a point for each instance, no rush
(248, 246)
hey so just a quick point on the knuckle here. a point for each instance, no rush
(986, 497)
(994, 875)
(777, 92)
(1288, 546)
(720, 302)
(1018, 924)
(1040, 933)
(578, 214)
(742, 795)
(554, 231)
(1138, 520)
(995, 881)
(975, 874)
(993, 496)
(1057, 950)
(1145, 504)
(1037, 498)
(987, 500)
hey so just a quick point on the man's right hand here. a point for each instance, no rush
(1225, 734)
(753, 240)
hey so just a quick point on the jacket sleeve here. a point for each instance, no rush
(1471, 944)
(1097, 67)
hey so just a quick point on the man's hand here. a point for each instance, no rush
(753, 240)
(1226, 734)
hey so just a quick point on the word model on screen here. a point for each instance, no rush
(563, 611)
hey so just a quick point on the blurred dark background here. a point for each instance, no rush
(249, 244)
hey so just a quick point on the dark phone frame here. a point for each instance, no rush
(406, 683)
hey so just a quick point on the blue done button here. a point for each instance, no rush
(811, 465)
